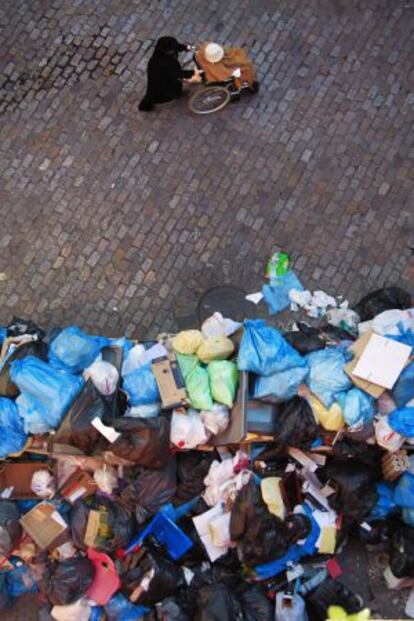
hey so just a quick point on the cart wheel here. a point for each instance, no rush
(210, 99)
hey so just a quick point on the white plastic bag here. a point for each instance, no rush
(133, 360)
(344, 318)
(150, 410)
(103, 375)
(219, 529)
(216, 419)
(79, 611)
(386, 436)
(106, 479)
(389, 321)
(290, 608)
(217, 325)
(43, 484)
(187, 430)
(221, 482)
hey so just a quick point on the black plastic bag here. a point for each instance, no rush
(261, 536)
(192, 469)
(304, 343)
(170, 610)
(145, 441)
(368, 454)
(256, 606)
(216, 602)
(10, 529)
(118, 518)
(381, 300)
(148, 490)
(66, 581)
(296, 424)
(33, 348)
(76, 428)
(19, 326)
(355, 485)
(331, 593)
(167, 578)
(402, 552)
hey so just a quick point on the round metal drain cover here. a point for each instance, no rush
(229, 301)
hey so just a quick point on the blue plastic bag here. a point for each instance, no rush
(141, 386)
(283, 385)
(327, 377)
(73, 350)
(276, 294)
(407, 516)
(386, 502)
(403, 390)
(20, 579)
(406, 335)
(404, 491)
(12, 435)
(119, 608)
(45, 393)
(402, 421)
(264, 351)
(358, 407)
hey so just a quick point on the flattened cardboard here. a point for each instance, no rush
(382, 361)
(19, 477)
(170, 382)
(45, 526)
(357, 348)
(79, 485)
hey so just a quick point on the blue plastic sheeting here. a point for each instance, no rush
(264, 351)
(119, 608)
(283, 385)
(20, 579)
(276, 294)
(73, 350)
(327, 377)
(141, 386)
(403, 390)
(402, 421)
(45, 393)
(295, 552)
(12, 435)
(386, 502)
(358, 407)
(404, 491)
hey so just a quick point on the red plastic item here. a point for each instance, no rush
(334, 568)
(106, 580)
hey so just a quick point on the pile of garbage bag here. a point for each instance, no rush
(210, 474)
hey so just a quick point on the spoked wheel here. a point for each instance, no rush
(209, 99)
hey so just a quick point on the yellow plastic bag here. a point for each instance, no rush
(187, 341)
(336, 613)
(272, 495)
(218, 348)
(330, 419)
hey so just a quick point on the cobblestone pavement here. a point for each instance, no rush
(119, 221)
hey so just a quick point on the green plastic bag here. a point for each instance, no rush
(187, 363)
(198, 388)
(224, 378)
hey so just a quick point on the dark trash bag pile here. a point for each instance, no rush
(208, 475)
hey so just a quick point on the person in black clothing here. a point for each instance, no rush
(165, 75)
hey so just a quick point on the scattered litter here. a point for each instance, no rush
(215, 472)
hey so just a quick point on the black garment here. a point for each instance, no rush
(164, 73)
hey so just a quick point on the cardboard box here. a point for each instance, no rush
(45, 526)
(79, 485)
(357, 349)
(382, 361)
(170, 382)
(19, 477)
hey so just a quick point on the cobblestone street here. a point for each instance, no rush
(119, 220)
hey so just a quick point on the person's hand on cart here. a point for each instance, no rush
(196, 78)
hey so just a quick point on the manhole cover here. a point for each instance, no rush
(227, 300)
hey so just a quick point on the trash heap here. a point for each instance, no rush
(212, 474)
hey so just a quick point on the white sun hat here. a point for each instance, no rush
(213, 52)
